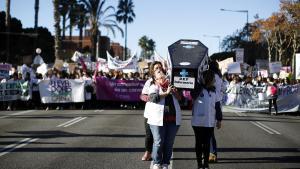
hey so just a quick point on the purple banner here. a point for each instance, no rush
(119, 90)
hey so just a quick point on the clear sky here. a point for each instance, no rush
(166, 21)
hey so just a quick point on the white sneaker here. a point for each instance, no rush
(165, 166)
(156, 166)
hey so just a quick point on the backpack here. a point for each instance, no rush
(273, 90)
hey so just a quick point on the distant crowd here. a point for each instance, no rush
(232, 84)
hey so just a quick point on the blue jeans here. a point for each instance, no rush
(163, 137)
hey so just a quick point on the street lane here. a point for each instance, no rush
(107, 139)
(114, 139)
(244, 145)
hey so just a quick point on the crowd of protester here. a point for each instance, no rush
(87, 76)
(232, 84)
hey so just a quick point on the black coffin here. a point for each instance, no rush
(187, 59)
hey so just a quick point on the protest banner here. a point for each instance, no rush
(252, 99)
(4, 71)
(61, 91)
(117, 64)
(297, 68)
(119, 90)
(15, 90)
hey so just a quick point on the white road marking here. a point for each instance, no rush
(15, 146)
(70, 121)
(258, 125)
(240, 114)
(3, 117)
(276, 132)
(18, 113)
(23, 112)
(98, 111)
(75, 122)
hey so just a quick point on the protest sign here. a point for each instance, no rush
(117, 64)
(234, 68)
(252, 99)
(262, 64)
(223, 65)
(61, 91)
(239, 55)
(275, 67)
(119, 90)
(263, 73)
(14, 90)
(297, 68)
(42, 69)
(285, 71)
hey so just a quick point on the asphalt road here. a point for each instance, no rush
(114, 139)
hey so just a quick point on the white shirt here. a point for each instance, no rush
(146, 91)
(147, 86)
(155, 111)
(204, 111)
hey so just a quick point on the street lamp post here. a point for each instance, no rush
(215, 36)
(241, 11)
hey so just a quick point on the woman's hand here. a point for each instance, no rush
(219, 124)
(169, 90)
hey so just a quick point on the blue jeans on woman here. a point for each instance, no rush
(163, 137)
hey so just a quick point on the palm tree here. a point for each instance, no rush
(72, 16)
(57, 29)
(150, 47)
(125, 14)
(98, 17)
(143, 44)
(63, 11)
(147, 45)
(7, 29)
(36, 16)
(82, 21)
(36, 13)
